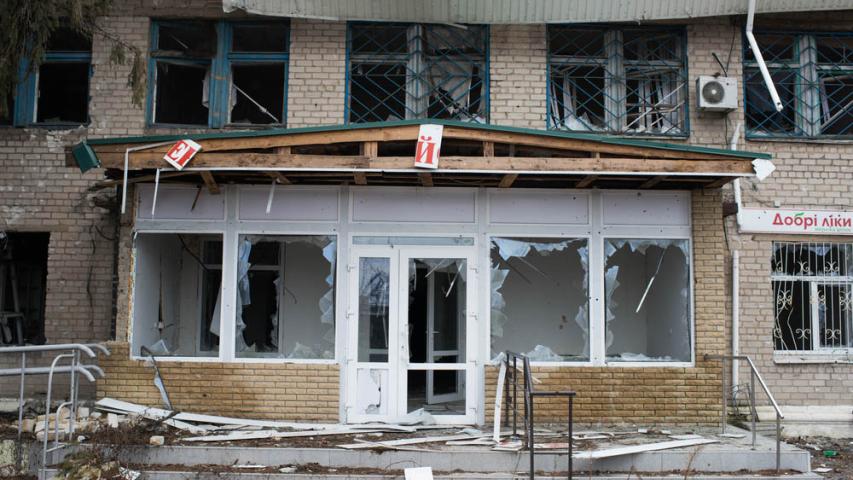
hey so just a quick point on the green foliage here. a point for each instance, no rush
(26, 27)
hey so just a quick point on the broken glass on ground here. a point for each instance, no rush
(176, 293)
(647, 300)
(539, 297)
(285, 296)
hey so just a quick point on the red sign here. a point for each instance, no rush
(181, 153)
(429, 145)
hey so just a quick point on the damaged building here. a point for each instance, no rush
(589, 199)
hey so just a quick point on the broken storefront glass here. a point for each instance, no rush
(539, 298)
(285, 296)
(647, 300)
(176, 289)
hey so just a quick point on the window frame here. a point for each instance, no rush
(485, 73)
(806, 68)
(220, 64)
(813, 282)
(611, 89)
(25, 102)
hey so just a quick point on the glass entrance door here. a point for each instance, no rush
(411, 311)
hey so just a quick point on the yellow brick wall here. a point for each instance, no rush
(273, 391)
(654, 395)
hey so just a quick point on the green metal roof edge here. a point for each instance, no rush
(451, 123)
(85, 157)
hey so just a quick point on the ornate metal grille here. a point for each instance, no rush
(813, 73)
(813, 292)
(406, 71)
(628, 81)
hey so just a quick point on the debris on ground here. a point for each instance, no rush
(832, 458)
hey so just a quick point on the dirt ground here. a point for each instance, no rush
(841, 464)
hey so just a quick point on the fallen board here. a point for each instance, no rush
(408, 441)
(649, 447)
(237, 436)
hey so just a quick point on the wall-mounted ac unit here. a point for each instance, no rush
(716, 94)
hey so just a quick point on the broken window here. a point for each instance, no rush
(177, 294)
(23, 281)
(61, 81)
(813, 291)
(286, 296)
(374, 293)
(647, 300)
(813, 74)
(407, 71)
(629, 80)
(253, 91)
(548, 276)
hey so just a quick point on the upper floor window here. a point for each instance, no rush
(813, 74)
(218, 74)
(630, 81)
(56, 92)
(407, 71)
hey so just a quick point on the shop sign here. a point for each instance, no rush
(429, 145)
(804, 222)
(181, 153)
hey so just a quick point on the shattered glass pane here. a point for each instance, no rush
(647, 300)
(539, 297)
(285, 296)
(260, 37)
(437, 310)
(176, 294)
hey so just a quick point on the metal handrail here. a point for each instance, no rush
(529, 395)
(75, 369)
(754, 374)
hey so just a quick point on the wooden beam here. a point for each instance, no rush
(280, 178)
(508, 180)
(210, 182)
(488, 149)
(426, 179)
(282, 150)
(360, 178)
(653, 181)
(142, 178)
(586, 181)
(238, 160)
(370, 149)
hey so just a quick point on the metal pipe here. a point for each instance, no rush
(82, 369)
(19, 445)
(778, 441)
(85, 348)
(735, 317)
(56, 421)
(768, 80)
(723, 398)
(127, 166)
(752, 412)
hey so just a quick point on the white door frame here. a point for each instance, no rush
(398, 365)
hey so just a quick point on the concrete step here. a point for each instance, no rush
(154, 474)
(713, 458)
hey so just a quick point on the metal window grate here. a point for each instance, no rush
(408, 71)
(629, 81)
(813, 73)
(813, 291)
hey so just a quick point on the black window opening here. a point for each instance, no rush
(408, 71)
(23, 287)
(61, 81)
(218, 74)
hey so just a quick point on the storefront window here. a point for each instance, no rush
(647, 300)
(285, 296)
(539, 298)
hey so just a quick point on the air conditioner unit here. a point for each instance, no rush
(716, 94)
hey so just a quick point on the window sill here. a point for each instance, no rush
(162, 360)
(806, 357)
(795, 139)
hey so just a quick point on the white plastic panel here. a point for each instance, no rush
(291, 204)
(539, 208)
(646, 208)
(415, 205)
(175, 202)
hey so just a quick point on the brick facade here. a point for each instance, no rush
(38, 192)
